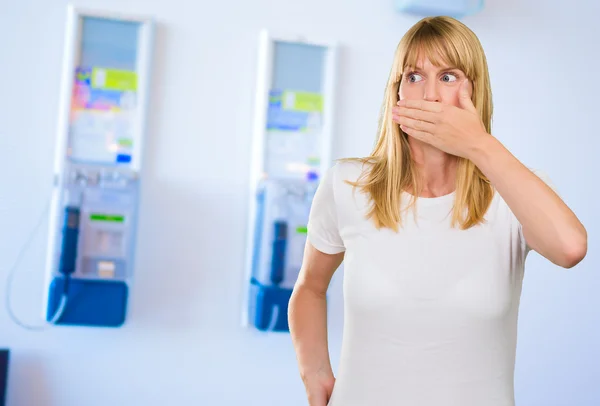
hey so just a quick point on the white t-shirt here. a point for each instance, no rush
(430, 311)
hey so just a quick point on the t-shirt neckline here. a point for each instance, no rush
(430, 201)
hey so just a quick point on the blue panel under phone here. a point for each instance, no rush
(269, 307)
(89, 302)
(109, 43)
(298, 67)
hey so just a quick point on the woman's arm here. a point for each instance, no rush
(307, 314)
(549, 226)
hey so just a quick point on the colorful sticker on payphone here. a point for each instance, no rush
(102, 115)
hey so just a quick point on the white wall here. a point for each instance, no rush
(183, 344)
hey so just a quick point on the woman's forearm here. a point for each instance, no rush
(549, 225)
(307, 316)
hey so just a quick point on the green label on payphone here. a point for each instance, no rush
(107, 217)
(114, 79)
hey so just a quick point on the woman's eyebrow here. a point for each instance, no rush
(449, 67)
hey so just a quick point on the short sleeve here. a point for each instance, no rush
(543, 176)
(322, 228)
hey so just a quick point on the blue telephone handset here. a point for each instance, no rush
(68, 254)
(279, 248)
(67, 262)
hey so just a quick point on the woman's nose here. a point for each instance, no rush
(431, 92)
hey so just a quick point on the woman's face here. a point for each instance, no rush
(432, 83)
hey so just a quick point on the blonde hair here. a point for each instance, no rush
(391, 168)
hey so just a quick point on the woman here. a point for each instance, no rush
(434, 228)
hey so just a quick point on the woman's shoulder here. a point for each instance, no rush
(350, 169)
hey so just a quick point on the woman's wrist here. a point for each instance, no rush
(321, 372)
(483, 148)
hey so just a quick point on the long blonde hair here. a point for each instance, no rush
(391, 167)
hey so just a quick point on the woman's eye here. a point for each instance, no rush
(414, 77)
(449, 77)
